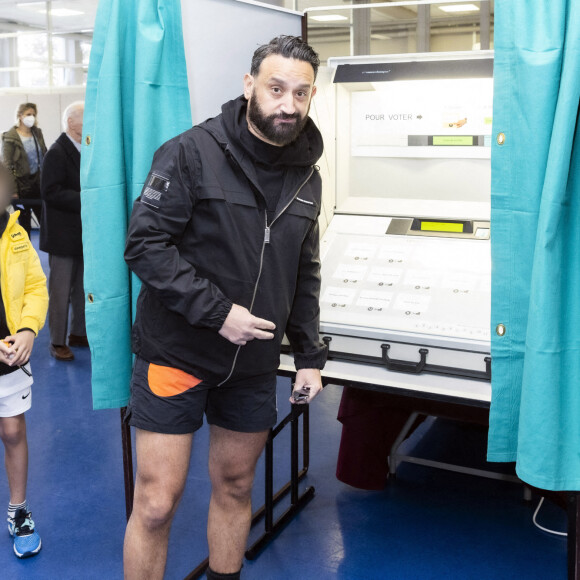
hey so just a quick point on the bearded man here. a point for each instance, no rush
(225, 239)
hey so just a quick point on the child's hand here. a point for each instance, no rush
(22, 343)
(6, 352)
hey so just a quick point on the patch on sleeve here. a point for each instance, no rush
(155, 188)
(19, 247)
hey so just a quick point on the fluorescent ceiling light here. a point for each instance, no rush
(30, 5)
(329, 18)
(40, 7)
(65, 12)
(459, 8)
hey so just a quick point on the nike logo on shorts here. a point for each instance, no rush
(26, 396)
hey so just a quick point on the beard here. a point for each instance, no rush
(279, 133)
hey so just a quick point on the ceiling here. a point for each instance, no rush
(23, 14)
(388, 14)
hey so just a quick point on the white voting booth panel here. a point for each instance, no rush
(219, 51)
(406, 268)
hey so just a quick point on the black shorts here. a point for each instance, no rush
(168, 400)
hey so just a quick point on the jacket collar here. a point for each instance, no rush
(69, 148)
(13, 135)
(13, 219)
(217, 127)
(9, 223)
(225, 129)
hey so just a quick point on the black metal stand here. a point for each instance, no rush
(273, 527)
(297, 500)
(574, 535)
(127, 464)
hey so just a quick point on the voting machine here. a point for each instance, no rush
(406, 267)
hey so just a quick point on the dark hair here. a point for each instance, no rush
(288, 47)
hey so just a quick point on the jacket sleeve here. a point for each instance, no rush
(160, 216)
(35, 303)
(302, 329)
(8, 152)
(8, 159)
(54, 182)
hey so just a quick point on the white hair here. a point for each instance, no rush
(72, 110)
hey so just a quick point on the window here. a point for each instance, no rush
(55, 56)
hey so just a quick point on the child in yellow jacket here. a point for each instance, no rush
(23, 306)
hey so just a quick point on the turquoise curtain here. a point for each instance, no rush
(137, 98)
(535, 410)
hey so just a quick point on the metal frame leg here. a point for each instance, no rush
(574, 535)
(395, 459)
(399, 440)
(127, 464)
(297, 501)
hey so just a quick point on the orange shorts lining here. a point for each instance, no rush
(167, 381)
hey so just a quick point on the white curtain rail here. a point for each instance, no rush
(388, 5)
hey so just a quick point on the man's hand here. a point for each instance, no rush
(22, 347)
(308, 381)
(240, 326)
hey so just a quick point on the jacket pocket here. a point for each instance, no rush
(238, 197)
(304, 208)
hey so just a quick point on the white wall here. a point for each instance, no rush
(50, 109)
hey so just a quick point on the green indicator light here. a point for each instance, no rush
(442, 227)
(488, 120)
(453, 140)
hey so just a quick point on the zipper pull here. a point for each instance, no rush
(267, 235)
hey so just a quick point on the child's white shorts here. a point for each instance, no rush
(15, 393)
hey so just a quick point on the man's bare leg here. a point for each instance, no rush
(162, 466)
(232, 462)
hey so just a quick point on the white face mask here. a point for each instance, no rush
(29, 120)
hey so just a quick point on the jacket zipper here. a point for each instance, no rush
(265, 241)
(288, 204)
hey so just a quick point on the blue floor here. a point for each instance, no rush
(425, 524)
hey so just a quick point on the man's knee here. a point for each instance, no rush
(235, 483)
(154, 504)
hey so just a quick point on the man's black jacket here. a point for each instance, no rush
(200, 240)
(61, 229)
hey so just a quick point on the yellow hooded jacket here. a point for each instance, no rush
(22, 281)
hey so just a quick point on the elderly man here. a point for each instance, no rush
(225, 239)
(61, 235)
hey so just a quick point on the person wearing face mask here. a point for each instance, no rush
(23, 151)
(61, 235)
